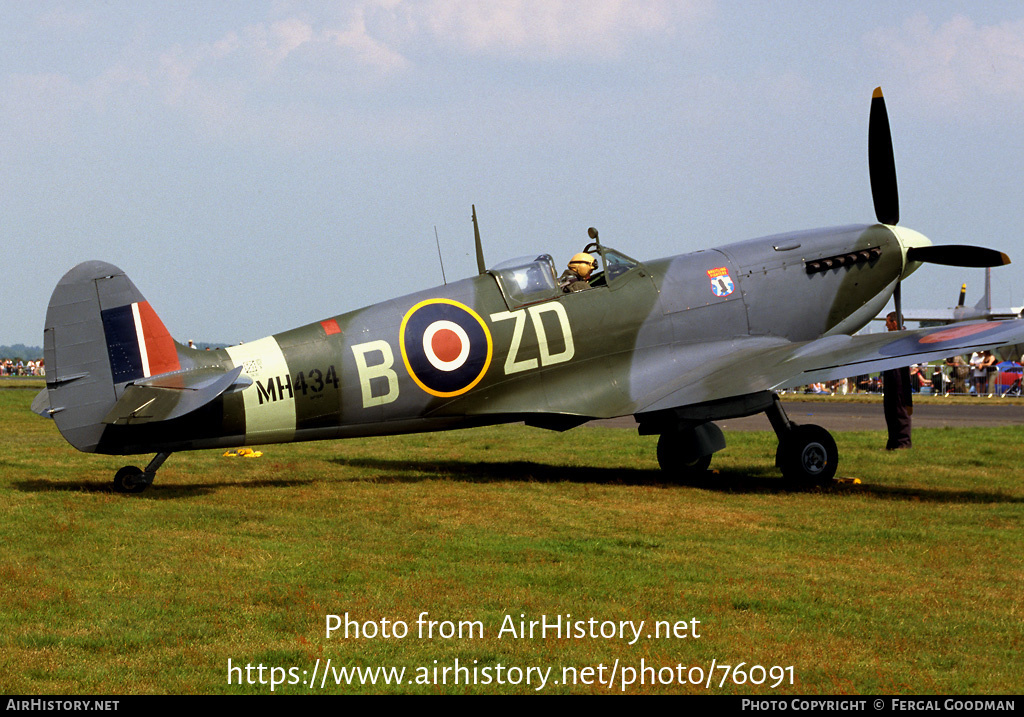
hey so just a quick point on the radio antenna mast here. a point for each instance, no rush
(438, 242)
(481, 267)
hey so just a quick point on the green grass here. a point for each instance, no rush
(36, 382)
(909, 582)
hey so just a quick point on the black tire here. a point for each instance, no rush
(676, 458)
(130, 479)
(808, 454)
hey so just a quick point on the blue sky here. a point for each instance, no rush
(254, 166)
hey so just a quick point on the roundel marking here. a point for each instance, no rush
(446, 347)
(955, 333)
(976, 335)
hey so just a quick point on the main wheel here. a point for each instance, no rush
(130, 479)
(808, 454)
(676, 457)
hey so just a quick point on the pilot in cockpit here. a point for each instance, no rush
(577, 276)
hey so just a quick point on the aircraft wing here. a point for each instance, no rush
(768, 364)
(1013, 312)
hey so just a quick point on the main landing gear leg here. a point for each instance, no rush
(131, 479)
(806, 454)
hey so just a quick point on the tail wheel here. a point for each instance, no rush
(130, 479)
(808, 454)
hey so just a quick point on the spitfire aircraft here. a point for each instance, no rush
(677, 343)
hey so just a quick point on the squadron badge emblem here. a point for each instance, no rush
(721, 283)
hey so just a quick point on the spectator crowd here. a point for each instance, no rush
(19, 367)
(982, 375)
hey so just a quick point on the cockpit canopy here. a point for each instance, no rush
(615, 264)
(527, 280)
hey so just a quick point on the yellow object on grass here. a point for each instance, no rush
(243, 453)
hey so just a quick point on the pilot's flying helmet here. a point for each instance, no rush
(583, 264)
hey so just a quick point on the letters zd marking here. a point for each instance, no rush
(546, 358)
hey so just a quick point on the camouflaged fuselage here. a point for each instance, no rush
(473, 352)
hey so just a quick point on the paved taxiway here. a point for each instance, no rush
(843, 416)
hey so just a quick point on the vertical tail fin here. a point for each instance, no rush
(985, 303)
(100, 334)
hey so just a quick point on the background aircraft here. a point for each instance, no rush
(983, 310)
(676, 342)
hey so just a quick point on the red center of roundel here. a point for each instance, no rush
(446, 345)
(955, 333)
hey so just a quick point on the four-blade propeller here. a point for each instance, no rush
(884, 192)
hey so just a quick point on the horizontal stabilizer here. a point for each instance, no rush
(171, 395)
(41, 404)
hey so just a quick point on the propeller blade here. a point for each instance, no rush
(963, 294)
(957, 255)
(881, 163)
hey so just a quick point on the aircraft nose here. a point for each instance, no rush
(909, 239)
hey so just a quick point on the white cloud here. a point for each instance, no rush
(365, 49)
(547, 29)
(307, 67)
(377, 34)
(223, 83)
(957, 60)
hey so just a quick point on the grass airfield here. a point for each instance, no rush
(908, 582)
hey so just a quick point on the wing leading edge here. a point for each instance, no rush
(766, 365)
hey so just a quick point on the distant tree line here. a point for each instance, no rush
(21, 351)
